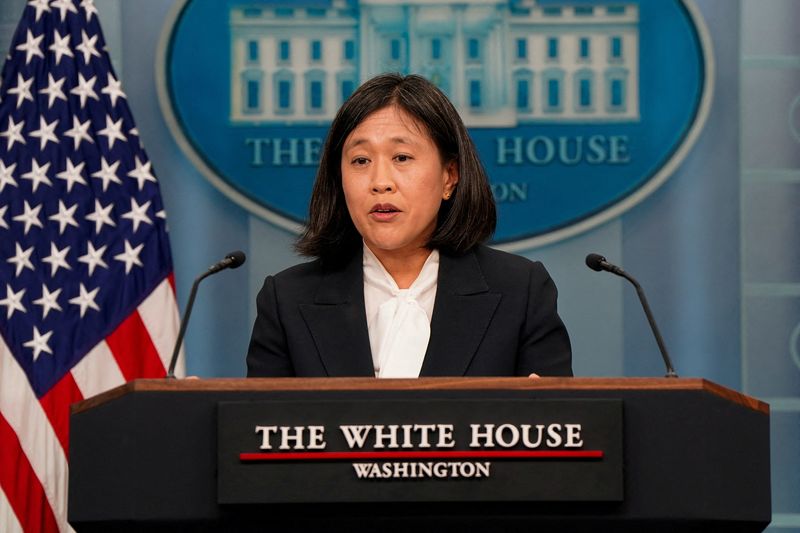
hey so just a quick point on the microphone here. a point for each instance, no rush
(231, 260)
(597, 263)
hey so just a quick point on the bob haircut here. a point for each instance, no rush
(465, 220)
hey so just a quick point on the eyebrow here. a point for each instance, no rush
(396, 140)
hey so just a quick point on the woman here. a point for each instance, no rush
(401, 285)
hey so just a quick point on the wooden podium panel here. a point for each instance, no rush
(696, 458)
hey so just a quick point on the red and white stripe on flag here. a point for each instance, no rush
(87, 297)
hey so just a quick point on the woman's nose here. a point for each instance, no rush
(382, 181)
(381, 186)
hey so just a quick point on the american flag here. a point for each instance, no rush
(87, 298)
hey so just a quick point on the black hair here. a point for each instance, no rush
(466, 219)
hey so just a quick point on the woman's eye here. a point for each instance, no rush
(402, 158)
(360, 161)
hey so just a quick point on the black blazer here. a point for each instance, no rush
(494, 315)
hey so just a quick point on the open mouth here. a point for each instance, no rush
(384, 209)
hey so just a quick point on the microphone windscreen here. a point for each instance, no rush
(237, 259)
(595, 262)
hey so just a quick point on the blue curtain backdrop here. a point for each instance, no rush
(716, 247)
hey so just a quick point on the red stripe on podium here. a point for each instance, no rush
(347, 456)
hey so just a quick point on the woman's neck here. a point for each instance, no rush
(404, 266)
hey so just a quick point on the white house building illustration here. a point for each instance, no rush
(501, 63)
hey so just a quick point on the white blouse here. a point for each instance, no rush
(398, 320)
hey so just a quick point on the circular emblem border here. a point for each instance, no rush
(581, 226)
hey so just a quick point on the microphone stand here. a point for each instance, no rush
(232, 260)
(597, 263)
(659, 340)
(184, 322)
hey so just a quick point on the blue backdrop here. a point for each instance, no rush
(716, 247)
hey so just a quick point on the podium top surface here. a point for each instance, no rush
(446, 383)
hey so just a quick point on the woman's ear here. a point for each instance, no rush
(450, 179)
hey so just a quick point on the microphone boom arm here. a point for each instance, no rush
(232, 260)
(597, 263)
(184, 322)
(649, 314)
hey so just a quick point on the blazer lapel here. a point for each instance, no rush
(461, 314)
(338, 322)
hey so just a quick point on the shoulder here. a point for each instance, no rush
(302, 271)
(483, 268)
(318, 278)
(496, 264)
(295, 281)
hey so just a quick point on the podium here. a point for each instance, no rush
(674, 455)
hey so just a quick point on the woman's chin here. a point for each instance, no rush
(391, 246)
